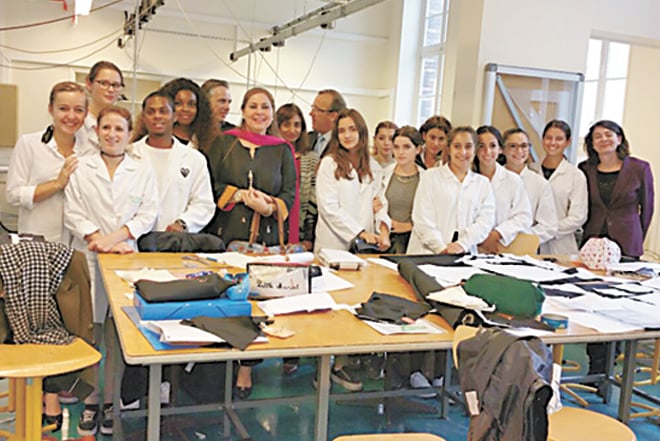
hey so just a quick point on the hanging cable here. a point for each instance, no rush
(55, 20)
(55, 51)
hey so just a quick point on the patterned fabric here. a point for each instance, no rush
(31, 273)
(599, 252)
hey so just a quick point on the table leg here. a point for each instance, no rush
(627, 380)
(33, 400)
(322, 398)
(118, 370)
(229, 385)
(153, 406)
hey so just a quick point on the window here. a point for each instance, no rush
(431, 58)
(605, 83)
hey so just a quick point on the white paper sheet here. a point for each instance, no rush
(300, 303)
(383, 262)
(421, 326)
(132, 276)
(458, 297)
(600, 323)
(449, 275)
(328, 281)
(523, 272)
(307, 257)
(173, 332)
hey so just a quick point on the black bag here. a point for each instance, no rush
(359, 246)
(505, 379)
(391, 309)
(200, 288)
(180, 242)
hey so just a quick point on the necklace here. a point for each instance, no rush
(110, 155)
(406, 179)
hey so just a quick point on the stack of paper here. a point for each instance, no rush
(340, 259)
(300, 303)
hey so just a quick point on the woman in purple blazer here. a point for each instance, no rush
(620, 202)
(620, 189)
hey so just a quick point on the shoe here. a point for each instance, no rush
(66, 397)
(438, 382)
(106, 420)
(419, 381)
(242, 393)
(345, 380)
(48, 420)
(89, 420)
(289, 368)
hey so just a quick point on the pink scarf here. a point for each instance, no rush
(263, 140)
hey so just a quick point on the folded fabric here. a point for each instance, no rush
(391, 309)
(457, 296)
(180, 242)
(201, 288)
(510, 296)
(238, 332)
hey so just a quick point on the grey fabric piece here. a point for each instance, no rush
(511, 378)
(180, 242)
(31, 273)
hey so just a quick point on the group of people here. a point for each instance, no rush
(94, 182)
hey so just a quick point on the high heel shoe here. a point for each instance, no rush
(52, 419)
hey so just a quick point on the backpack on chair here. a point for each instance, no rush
(505, 380)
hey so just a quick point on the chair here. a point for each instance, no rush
(523, 244)
(570, 423)
(391, 437)
(654, 377)
(26, 366)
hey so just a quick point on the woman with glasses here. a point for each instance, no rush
(454, 208)
(569, 188)
(538, 190)
(512, 210)
(104, 84)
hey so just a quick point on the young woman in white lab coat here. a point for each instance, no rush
(41, 164)
(110, 201)
(569, 188)
(454, 208)
(347, 182)
(513, 214)
(539, 192)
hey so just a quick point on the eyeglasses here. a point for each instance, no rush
(318, 109)
(103, 84)
(523, 146)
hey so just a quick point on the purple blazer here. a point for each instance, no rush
(629, 213)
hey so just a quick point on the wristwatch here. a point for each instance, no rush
(182, 224)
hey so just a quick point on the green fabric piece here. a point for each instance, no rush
(510, 296)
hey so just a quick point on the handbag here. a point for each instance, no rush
(509, 295)
(360, 246)
(250, 247)
(180, 242)
(201, 288)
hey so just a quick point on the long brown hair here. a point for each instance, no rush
(287, 112)
(340, 154)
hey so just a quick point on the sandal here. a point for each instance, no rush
(49, 420)
(242, 393)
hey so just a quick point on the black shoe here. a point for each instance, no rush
(106, 421)
(89, 420)
(242, 393)
(48, 420)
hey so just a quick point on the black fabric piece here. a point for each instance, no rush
(238, 332)
(422, 259)
(554, 292)
(360, 246)
(180, 242)
(200, 288)
(391, 309)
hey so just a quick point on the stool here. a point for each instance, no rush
(391, 437)
(653, 370)
(26, 366)
(575, 424)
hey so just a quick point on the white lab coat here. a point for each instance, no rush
(444, 205)
(93, 202)
(569, 188)
(89, 139)
(187, 193)
(513, 214)
(542, 202)
(33, 163)
(346, 206)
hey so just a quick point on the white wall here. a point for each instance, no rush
(358, 58)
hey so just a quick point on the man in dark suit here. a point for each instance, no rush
(325, 110)
(219, 96)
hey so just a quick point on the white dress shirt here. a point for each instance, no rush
(444, 205)
(346, 205)
(513, 214)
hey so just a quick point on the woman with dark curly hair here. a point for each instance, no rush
(193, 122)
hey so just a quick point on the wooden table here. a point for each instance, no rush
(317, 335)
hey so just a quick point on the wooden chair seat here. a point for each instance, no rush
(391, 437)
(26, 366)
(523, 244)
(576, 424)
